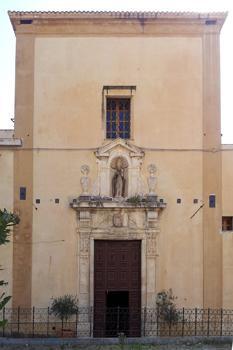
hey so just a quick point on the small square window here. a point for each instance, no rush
(56, 200)
(22, 193)
(37, 201)
(178, 201)
(227, 223)
(212, 201)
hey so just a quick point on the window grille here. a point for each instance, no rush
(118, 118)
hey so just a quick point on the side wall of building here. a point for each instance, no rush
(227, 200)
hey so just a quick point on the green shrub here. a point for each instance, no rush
(64, 307)
(166, 306)
(7, 220)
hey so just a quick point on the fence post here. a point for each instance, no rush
(144, 322)
(208, 323)
(195, 326)
(48, 321)
(183, 322)
(221, 322)
(3, 318)
(157, 323)
(76, 322)
(118, 318)
(33, 320)
(18, 321)
(170, 321)
(90, 315)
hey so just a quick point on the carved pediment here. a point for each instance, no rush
(119, 146)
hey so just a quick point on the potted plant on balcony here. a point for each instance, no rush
(64, 307)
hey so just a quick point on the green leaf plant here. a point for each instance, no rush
(7, 221)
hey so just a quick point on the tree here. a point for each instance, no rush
(7, 221)
(64, 307)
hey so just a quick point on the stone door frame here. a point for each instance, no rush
(117, 238)
(88, 231)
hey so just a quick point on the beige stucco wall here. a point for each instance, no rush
(227, 200)
(55, 249)
(62, 63)
(69, 76)
(6, 201)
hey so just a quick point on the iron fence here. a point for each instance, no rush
(40, 322)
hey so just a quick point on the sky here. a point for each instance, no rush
(7, 43)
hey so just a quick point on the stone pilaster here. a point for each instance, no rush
(84, 256)
(212, 240)
(151, 253)
(84, 220)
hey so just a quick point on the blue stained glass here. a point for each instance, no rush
(111, 105)
(121, 126)
(118, 118)
(108, 116)
(121, 115)
(126, 127)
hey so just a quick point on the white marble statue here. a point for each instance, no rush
(151, 180)
(118, 180)
(85, 181)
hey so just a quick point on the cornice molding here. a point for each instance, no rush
(200, 22)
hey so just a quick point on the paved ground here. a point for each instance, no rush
(182, 343)
(198, 346)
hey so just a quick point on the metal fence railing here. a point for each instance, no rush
(40, 322)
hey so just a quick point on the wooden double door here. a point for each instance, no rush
(117, 288)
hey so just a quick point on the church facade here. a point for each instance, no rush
(116, 167)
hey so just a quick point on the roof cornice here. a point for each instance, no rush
(40, 18)
(117, 14)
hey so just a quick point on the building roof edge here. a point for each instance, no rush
(118, 14)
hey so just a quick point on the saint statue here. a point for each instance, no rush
(151, 180)
(118, 180)
(84, 181)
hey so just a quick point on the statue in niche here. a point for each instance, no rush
(84, 181)
(151, 180)
(119, 178)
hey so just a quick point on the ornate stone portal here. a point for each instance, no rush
(120, 211)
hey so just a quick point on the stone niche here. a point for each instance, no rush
(108, 157)
(120, 217)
